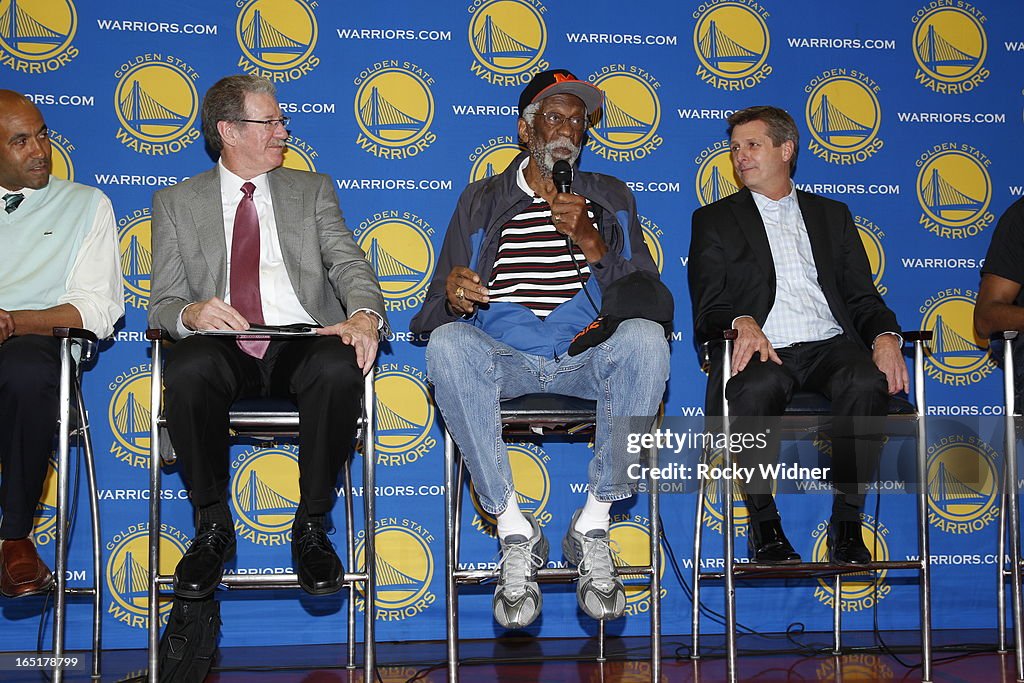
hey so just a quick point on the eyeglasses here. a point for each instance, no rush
(555, 120)
(268, 123)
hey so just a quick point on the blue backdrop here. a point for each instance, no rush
(910, 112)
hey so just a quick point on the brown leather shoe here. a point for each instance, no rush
(21, 570)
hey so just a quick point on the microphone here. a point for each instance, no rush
(561, 173)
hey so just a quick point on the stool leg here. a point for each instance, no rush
(94, 511)
(156, 412)
(370, 517)
(837, 613)
(655, 550)
(60, 563)
(1012, 513)
(350, 556)
(698, 537)
(1001, 565)
(451, 560)
(924, 551)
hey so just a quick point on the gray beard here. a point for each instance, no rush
(545, 159)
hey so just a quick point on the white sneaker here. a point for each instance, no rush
(517, 599)
(599, 590)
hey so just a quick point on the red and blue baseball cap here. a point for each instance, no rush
(555, 81)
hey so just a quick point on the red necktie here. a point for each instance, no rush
(245, 270)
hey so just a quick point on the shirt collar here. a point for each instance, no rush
(27, 191)
(762, 201)
(521, 178)
(231, 184)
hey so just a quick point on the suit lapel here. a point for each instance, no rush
(752, 227)
(288, 214)
(208, 219)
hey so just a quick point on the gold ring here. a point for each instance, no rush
(558, 219)
(460, 293)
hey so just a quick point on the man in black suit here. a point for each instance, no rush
(787, 270)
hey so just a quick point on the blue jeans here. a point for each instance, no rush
(472, 373)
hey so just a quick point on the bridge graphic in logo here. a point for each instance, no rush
(136, 257)
(617, 120)
(31, 29)
(532, 490)
(259, 500)
(130, 415)
(139, 108)
(717, 185)
(384, 120)
(941, 56)
(492, 44)
(948, 343)
(404, 564)
(631, 542)
(829, 122)
(940, 196)
(131, 581)
(495, 160)
(721, 52)
(949, 491)
(262, 39)
(390, 269)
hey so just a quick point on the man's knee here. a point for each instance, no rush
(29, 362)
(759, 389)
(862, 380)
(334, 365)
(642, 344)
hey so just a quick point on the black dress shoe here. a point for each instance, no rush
(316, 564)
(768, 544)
(846, 544)
(202, 566)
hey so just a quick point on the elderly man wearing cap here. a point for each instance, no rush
(521, 273)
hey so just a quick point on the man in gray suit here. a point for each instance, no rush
(251, 242)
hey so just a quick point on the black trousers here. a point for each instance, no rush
(205, 375)
(29, 379)
(840, 369)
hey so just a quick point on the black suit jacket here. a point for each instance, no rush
(731, 272)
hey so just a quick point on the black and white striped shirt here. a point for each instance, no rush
(533, 266)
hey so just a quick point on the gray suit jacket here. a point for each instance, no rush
(329, 272)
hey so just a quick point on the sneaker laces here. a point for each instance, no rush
(598, 561)
(516, 565)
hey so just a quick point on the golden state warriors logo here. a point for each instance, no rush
(652, 238)
(633, 541)
(397, 244)
(861, 590)
(44, 525)
(731, 40)
(127, 571)
(507, 39)
(134, 237)
(156, 104)
(628, 128)
(36, 35)
(716, 177)
(950, 47)
(871, 237)
(956, 356)
(854, 667)
(493, 157)
(394, 109)
(265, 493)
(954, 190)
(405, 414)
(843, 115)
(962, 484)
(405, 568)
(129, 415)
(277, 38)
(61, 166)
(533, 487)
(299, 155)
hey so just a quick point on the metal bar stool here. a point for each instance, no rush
(811, 404)
(74, 422)
(1009, 507)
(269, 418)
(529, 416)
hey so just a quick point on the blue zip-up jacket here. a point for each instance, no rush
(472, 241)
